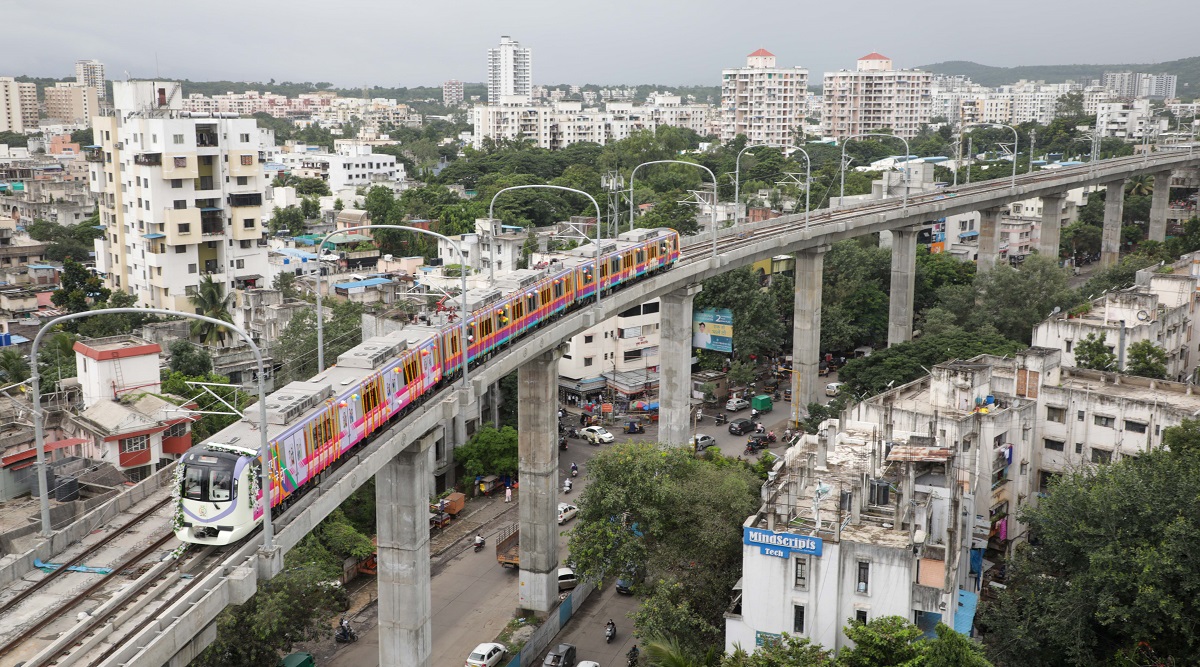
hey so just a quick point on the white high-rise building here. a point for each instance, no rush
(764, 102)
(510, 70)
(180, 198)
(875, 97)
(452, 93)
(18, 105)
(91, 73)
(1140, 84)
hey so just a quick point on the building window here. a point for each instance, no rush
(1079, 415)
(1101, 420)
(1054, 414)
(1135, 427)
(247, 160)
(176, 430)
(244, 138)
(864, 577)
(180, 249)
(587, 361)
(245, 244)
(648, 308)
(860, 615)
(177, 139)
(240, 264)
(191, 268)
(1053, 445)
(243, 180)
(248, 223)
(800, 576)
(798, 619)
(185, 228)
(135, 444)
(1079, 448)
(588, 339)
(1101, 456)
(177, 182)
(180, 204)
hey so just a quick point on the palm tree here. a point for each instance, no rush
(13, 367)
(1140, 185)
(668, 653)
(210, 300)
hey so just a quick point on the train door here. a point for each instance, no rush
(392, 387)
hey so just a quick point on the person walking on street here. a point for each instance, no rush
(508, 494)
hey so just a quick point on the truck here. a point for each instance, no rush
(508, 546)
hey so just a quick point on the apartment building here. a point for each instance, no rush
(18, 105)
(764, 102)
(90, 74)
(568, 122)
(510, 71)
(1132, 120)
(857, 525)
(1140, 84)
(352, 165)
(180, 198)
(71, 103)
(452, 93)
(615, 360)
(874, 97)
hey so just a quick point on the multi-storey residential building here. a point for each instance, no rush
(616, 359)
(71, 103)
(510, 71)
(351, 166)
(1140, 84)
(180, 198)
(875, 97)
(569, 122)
(452, 93)
(763, 102)
(1132, 120)
(18, 105)
(90, 73)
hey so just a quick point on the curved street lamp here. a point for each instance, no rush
(39, 435)
(462, 271)
(907, 158)
(1016, 138)
(690, 164)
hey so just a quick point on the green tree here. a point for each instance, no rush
(342, 539)
(311, 186)
(296, 351)
(951, 649)
(1015, 300)
(176, 384)
(742, 373)
(286, 282)
(13, 366)
(1112, 565)
(210, 300)
(338, 205)
(1079, 238)
(56, 359)
(854, 308)
(907, 361)
(884, 641)
(78, 288)
(788, 651)
(757, 327)
(188, 359)
(1147, 359)
(290, 219)
(310, 208)
(490, 451)
(1094, 353)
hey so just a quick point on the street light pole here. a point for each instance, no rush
(39, 435)
(1016, 138)
(907, 158)
(737, 180)
(462, 272)
(690, 164)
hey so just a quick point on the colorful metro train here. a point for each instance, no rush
(313, 424)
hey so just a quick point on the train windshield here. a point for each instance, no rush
(208, 483)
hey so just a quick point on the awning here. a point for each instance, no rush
(254, 276)
(18, 457)
(209, 209)
(69, 442)
(154, 236)
(967, 235)
(964, 617)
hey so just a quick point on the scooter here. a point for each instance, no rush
(345, 634)
(572, 433)
(633, 656)
(566, 486)
(574, 470)
(562, 442)
(479, 545)
(721, 418)
(609, 632)
(699, 416)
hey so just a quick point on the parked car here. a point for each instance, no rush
(834, 388)
(566, 512)
(488, 654)
(566, 578)
(735, 404)
(741, 426)
(588, 663)
(562, 655)
(704, 441)
(597, 435)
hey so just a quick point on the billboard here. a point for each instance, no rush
(712, 329)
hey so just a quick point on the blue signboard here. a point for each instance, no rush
(766, 638)
(712, 329)
(781, 545)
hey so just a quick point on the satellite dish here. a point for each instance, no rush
(1143, 315)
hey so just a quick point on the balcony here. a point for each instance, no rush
(248, 199)
(212, 228)
(148, 159)
(206, 139)
(93, 154)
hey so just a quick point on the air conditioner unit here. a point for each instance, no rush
(862, 587)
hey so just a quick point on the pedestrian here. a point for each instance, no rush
(508, 494)
(582, 418)
(482, 489)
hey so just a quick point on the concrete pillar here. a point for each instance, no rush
(1158, 206)
(904, 283)
(1114, 208)
(675, 366)
(402, 520)
(989, 239)
(537, 452)
(494, 400)
(1051, 224)
(806, 338)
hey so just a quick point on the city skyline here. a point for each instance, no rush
(680, 36)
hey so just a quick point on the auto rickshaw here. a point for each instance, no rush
(438, 520)
(634, 427)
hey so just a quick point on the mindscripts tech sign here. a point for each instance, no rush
(781, 545)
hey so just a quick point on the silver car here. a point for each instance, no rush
(735, 404)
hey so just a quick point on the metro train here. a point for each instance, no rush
(313, 424)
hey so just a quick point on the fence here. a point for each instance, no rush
(544, 636)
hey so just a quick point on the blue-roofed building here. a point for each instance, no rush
(370, 290)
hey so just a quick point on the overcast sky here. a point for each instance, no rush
(686, 42)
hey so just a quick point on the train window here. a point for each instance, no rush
(640, 256)
(652, 251)
(220, 485)
(454, 342)
(193, 483)
(546, 295)
(558, 290)
(615, 264)
(518, 310)
(662, 247)
(531, 302)
(413, 369)
(407, 368)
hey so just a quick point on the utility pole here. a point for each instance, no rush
(1032, 146)
(969, 156)
(613, 181)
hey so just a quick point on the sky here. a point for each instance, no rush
(672, 42)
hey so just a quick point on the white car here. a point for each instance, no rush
(486, 655)
(735, 404)
(588, 663)
(566, 512)
(597, 435)
(834, 388)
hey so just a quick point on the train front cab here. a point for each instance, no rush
(215, 497)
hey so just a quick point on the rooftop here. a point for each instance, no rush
(760, 53)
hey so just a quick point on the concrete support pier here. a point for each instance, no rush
(806, 339)
(675, 367)
(1051, 223)
(402, 519)
(989, 239)
(537, 464)
(1158, 206)
(1114, 209)
(904, 284)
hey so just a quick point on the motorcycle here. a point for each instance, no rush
(566, 486)
(633, 655)
(721, 418)
(699, 416)
(479, 545)
(609, 632)
(345, 633)
(573, 433)
(574, 470)
(562, 442)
